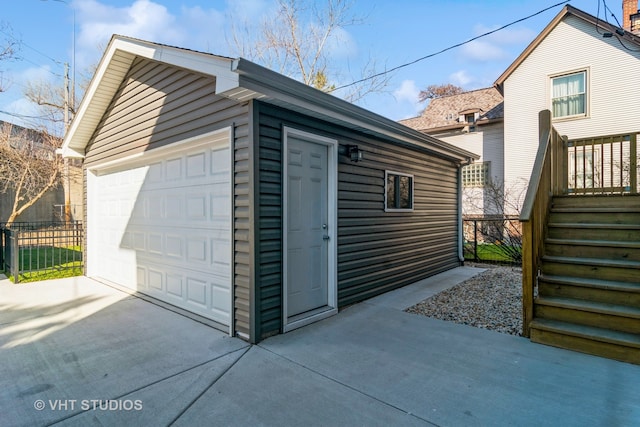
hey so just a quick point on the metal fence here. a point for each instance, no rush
(35, 249)
(493, 239)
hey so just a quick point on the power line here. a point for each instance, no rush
(612, 14)
(22, 58)
(22, 116)
(448, 48)
(22, 43)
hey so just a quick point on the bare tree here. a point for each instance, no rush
(8, 48)
(297, 42)
(438, 91)
(29, 166)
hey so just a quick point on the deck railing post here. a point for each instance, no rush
(15, 256)
(564, 166)
(2, 243)
(529, 269)
(475, 240)
(633, 164)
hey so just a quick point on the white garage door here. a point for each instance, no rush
(162, 226)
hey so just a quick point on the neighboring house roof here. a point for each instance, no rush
(22, 133)
(603, 26)
(241, 80)
(444, 113)
(38, 143)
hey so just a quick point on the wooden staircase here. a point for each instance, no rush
(588, 287)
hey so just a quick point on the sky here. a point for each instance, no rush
(388, 34)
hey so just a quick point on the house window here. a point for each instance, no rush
(398, 191)
(568, 95)
(470, 118)
(476, 174)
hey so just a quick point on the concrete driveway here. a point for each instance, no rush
(77, 352)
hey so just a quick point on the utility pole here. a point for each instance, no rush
(66, 184)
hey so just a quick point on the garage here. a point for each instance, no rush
(160, 223)
(195, 165)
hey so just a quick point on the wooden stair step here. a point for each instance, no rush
(597, 200)
(619, 232)
(590, 332)
(600, 243)
(592, 261)
(585, 248)
(589, 289)
(587, 339)
(591, 283)
(590, 306)
(594, 225)
(590, 209)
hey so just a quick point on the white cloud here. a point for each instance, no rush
(461, 78)
(252, 11)
(36, 74)
(143, 19)
(407, 100)
(482, 51)
(207, 31)
(408, 91)
(494, 46)
(341, 44)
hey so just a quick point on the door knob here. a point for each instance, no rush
(325, 237)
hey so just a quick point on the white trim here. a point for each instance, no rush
(217, 139)
(587, 89)
(295, 324)
(114, 65)
(332, 227)
(217, 136)
(413, 182)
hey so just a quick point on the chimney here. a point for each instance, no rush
(630, 15)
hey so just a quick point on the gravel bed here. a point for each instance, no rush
(491, 300)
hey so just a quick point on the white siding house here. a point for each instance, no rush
(472, 121)
(593, 67)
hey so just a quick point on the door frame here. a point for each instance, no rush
(332, 228)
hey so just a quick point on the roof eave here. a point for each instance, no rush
(567, 10)
(113, 68)
(241, 80)
(281, 90)
(481, 122)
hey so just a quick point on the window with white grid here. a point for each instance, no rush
(476, 174)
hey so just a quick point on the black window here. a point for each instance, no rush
(398, 191)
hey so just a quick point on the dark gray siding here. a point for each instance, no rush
(377, 251)
(157, 105)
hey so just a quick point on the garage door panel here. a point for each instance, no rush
(164, 229)
(204, 294)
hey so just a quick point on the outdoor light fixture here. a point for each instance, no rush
(354, 153)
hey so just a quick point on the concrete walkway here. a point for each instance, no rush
(74, 352)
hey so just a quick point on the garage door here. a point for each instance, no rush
(162, 226)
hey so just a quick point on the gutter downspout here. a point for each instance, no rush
(460, 220)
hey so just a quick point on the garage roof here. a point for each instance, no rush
(241, 80)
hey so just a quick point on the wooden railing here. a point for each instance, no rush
(589, 166)
(603, 165)
(548, 178)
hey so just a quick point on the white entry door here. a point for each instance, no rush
(162, 226)
(310, 229)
